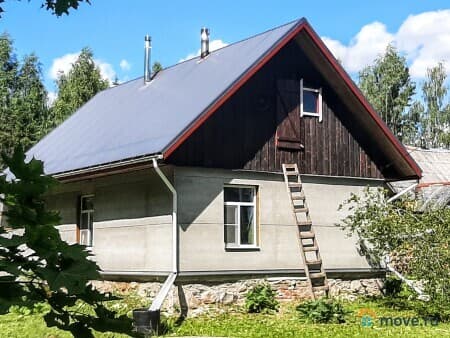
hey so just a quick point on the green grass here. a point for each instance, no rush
(236, 323)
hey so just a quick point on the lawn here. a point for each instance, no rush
(236, 323)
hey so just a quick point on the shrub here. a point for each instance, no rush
(323, 311)
(392, 286)
(261, 299)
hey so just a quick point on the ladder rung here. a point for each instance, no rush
(304, 223)
(317, 275)
(302, 209)
(291, 173)
(307, 234)
(295, 198)
(310, 248)
(289, 166)
(294, 185)
(321, 288)
(314, 262)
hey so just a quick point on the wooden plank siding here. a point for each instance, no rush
(242, 133)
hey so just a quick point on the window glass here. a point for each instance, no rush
(230, 214)
(84, 221)
(87, 203)
(230, 234)
(247, 225)
(310, 101)
(238, 194)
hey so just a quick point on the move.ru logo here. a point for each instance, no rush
(367, 317)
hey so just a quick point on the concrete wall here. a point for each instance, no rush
(200, 217)
(132, 219)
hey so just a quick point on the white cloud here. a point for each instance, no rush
(64, 63)
(51, 97)
(423, 38)
(124, 65)
(370, 41)
(213, 45)
(106, 70)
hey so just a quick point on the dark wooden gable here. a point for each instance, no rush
(260, 127)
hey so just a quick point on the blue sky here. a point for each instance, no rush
(356, 31)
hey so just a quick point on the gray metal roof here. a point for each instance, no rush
(136, 119)
(435, 163)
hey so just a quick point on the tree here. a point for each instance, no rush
(37, 266)
(77, 87)
(399, 228)
(157, 67)
(8, 75)
(57, 7)
(23, 99)
(388, 87)
(29, 104)
(435, 113)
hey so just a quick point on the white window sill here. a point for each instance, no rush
(242, 248)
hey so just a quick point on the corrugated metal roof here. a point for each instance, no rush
(136, 119)
(435, 163)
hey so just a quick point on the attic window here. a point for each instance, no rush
(310, 101)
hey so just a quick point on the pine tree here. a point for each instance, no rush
(389, 88)
(23, 98)
(77, 87)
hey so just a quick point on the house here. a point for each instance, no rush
(182, 171)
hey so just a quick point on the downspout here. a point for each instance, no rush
(165, 288)
(401, 193)
(174, 214)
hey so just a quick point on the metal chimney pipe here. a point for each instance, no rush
(147, 47)
(204, 35)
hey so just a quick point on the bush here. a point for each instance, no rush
(392, 286)
(261, 299)
(323, 311)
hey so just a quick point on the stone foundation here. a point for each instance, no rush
(215, 296)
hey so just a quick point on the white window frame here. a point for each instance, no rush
(319, 103)
(90, 215)
(238, 205)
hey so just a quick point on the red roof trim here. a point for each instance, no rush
(303, 25)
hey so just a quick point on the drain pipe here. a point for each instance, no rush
(165, 288)
(401, 193)
(174, 214)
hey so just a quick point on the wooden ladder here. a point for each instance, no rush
(315, 273)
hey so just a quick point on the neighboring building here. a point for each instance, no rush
(220, 127)
(434, 186)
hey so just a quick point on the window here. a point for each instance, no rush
(310, 101)
(86, 220)
(240, 216)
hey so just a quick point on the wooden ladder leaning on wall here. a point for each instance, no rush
(315, 273)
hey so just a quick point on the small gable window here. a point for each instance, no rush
(310, 101)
